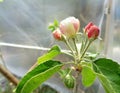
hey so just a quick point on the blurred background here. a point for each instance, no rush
(24, 35)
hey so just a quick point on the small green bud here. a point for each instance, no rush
(69, 81)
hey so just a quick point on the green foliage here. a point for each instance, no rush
(105, 83)
(53, 26)
(56, 23)
(88, 74)
(108, 73)
(91, 56)
(37, 76)
(55, 50)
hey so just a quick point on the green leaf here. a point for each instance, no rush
(106, 84)
(51, 27)
(55, 50)
(91, 56)
(56, 23)
(54, 26)
(88, 76)
(108, 73)
(37, 76)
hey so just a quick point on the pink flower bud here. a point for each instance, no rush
(69, 26)
(92, 31)
(57, 34)
(88, 26)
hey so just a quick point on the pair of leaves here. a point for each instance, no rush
(108, 73)
(37, 76)
(45, 69)
(54, 26)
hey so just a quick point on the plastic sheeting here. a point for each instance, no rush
(23, 27)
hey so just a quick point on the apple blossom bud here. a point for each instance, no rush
(88, 26)
(92, 31)
(57, 34)
(69, 26)
(69, 81)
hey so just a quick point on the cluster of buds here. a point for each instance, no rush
(67, 31)
(70, 26)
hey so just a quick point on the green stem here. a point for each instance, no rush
(77, 54)
(67, 43)
(83, 44)
(85, 50)
(74, 41)
(68, 62)
(69, 71)
(67, 53)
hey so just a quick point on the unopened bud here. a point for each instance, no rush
(69, 26)
(92, 31)
(57, 34)
(69, 81)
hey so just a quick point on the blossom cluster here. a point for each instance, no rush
(70, 26)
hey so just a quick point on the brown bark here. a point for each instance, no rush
(9, 75)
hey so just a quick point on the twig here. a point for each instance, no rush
(9, 75)
(33, 66)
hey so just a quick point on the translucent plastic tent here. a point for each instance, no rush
(23, 27)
